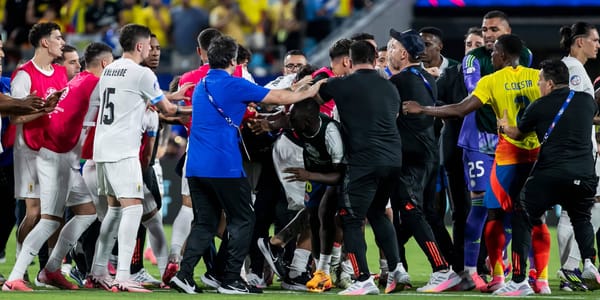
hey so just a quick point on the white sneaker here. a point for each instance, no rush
(367, 287)
(590, 275)
(253, 279)
(515, 289)
(144, 278)
(397, 277)
(440, 281)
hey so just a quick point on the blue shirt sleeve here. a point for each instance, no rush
(471, 71)
(250, 91)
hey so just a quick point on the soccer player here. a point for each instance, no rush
(563, 174)
(58, 171)
(512, 87)
(125, 87)
(580, 40)
(41, 76)
(478, 138)
(69, 60)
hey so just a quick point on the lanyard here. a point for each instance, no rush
(558, 115)
(226, 117)
(427, 84)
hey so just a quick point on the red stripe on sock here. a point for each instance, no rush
(352, 259)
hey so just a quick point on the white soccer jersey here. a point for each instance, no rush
(125, 89)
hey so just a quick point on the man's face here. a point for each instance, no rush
(473, 41)
(71, 63)
(153, 58)
(545, 86)
(433, 46)
(381, 61)
(396, 54)
(55, 42)
(293, 63)
(590, 44)
(492, 29)
(145, 47)
(497, 56)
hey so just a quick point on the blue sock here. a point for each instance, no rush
(473, 231)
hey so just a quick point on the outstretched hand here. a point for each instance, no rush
(411, 107)
(180, 94)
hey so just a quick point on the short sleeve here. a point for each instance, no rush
(333, 142)
(149, 86)
(483, 90)
(250, 91)
(21, 85)
(152, 123)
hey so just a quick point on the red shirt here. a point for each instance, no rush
(43, 85)
(195, 76)
(327, 107)
(66, 121)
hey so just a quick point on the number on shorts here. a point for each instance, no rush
(476, 169)
(108, 116)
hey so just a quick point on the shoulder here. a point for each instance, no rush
(452, 62)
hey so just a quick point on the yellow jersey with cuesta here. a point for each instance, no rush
(511, 89)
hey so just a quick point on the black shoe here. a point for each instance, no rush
(296, 283)
(273, 257)
(186, 285)
(238, 287)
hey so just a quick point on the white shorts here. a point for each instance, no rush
(27, 184)
(57, 174)
(185, 188)
(286, 154)
(121, 179)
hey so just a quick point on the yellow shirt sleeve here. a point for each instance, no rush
(483, 89)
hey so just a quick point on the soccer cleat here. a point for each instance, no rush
(99, 282)
(210, 280)
(55, 279)
(466, 282)
(398, 277)
(149, 255)
(570, 280)
(273, 258)
(440, 281)
(541, 287)
(145, 279)
(256, 281)
(128, 286)
(320, 282)
(515, 289)
(358, 288)
(590, 275)
(297, 283)
(496, 283)
(186, 285)
(238, 287)
(479, 282)
(76, 275)
(170, 271)
(17, 285)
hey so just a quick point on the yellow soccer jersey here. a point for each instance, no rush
(511, 89)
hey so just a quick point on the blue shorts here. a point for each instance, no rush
(477, 170)
(314, 193)
(505, 185)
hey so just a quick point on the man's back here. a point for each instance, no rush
(125, 88)
(368, 105)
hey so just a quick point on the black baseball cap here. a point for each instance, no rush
(411, 40)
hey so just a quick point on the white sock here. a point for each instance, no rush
(157, 241)
(323, 264)
(336, 254)
(31, 245)
(68, 239)
(106, 240)
(567, 246)
(471, 270)
(128, 227)
(595, 220)
(181, 229)
(299, 262)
